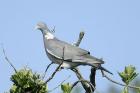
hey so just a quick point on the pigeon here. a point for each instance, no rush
(72, 56)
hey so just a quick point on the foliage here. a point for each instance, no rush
(25, 81)
(127, 76)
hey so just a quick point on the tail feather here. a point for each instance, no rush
(104, 69)
(98, 66)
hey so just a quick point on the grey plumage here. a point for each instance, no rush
(73, 56)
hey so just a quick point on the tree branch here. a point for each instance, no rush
(92, 87)
(92, 76)
(88, 88)
(81, 35)
(118, 83)
(7, 59)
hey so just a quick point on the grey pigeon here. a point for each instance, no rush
(73, 56)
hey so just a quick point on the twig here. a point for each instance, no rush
(9, 62)
(81, 35)
(47, 70)
(53, 31)
(59, 84)
(6, 58)
(118, 83)
(57, 69)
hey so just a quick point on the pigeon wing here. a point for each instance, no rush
(55, 47)
(71, 53)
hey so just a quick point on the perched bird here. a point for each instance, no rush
(72, 56)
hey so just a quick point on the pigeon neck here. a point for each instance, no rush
(43, 32)
(49, 35)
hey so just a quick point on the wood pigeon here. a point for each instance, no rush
(71, 55)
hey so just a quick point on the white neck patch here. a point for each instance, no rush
(49, 36)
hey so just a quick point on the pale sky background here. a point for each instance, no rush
(112, 31)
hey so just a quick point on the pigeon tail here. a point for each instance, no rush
(104, 69)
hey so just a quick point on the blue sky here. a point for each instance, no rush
(112, 31)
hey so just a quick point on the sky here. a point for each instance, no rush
(112, 32)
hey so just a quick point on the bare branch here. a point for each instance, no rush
(118, 83)
(57, 69)
(81, 35)
(89, 87)
(7, 59)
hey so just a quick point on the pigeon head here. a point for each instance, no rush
(43, 28)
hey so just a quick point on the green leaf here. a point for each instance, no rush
(128, 74)
(66, 88)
